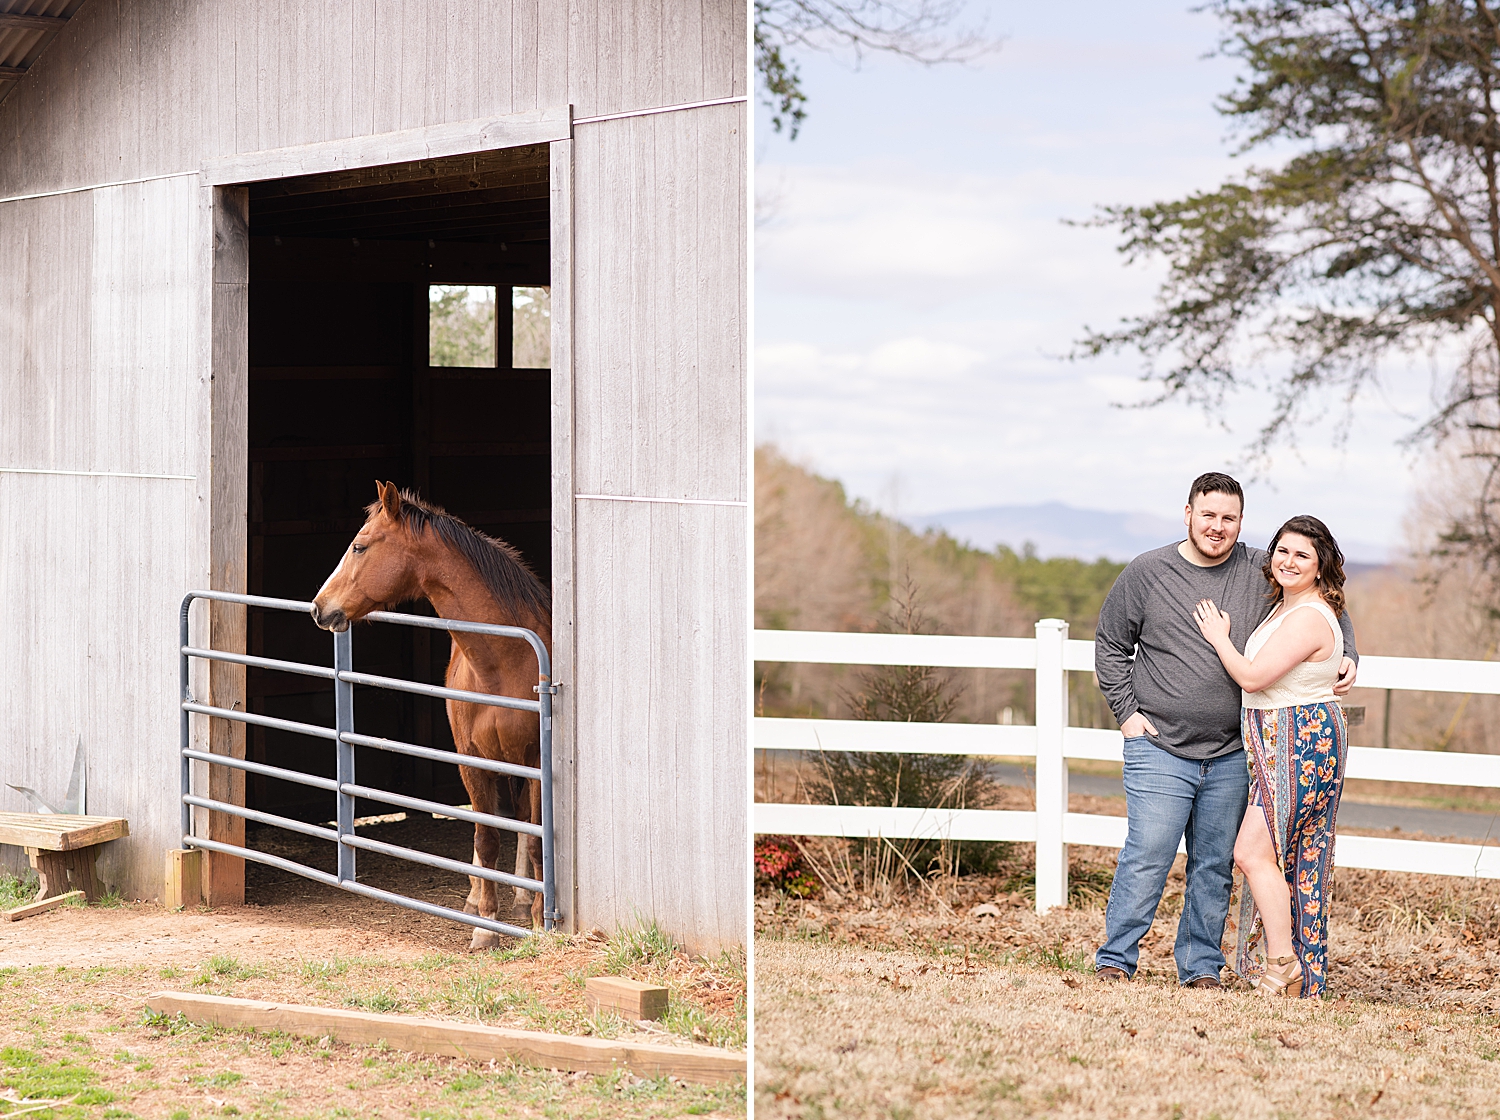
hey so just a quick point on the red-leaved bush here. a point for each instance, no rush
(780, 866)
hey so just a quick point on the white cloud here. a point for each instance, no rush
(899, 367)
(901, 235)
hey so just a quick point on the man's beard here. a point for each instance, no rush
(1207, 547)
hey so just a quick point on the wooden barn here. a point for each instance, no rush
(221, 228)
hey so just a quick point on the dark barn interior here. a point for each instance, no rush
(342, 394)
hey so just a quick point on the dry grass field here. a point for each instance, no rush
(922, 1009)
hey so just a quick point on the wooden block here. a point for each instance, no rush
(184, 879)
(629, 998)
(40, 906)
(458, 1040)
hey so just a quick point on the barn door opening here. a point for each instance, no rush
(393, 319)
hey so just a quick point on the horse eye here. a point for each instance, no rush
(357, 548)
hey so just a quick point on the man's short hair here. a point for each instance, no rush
(1216, 483)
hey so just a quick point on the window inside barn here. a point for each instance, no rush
(531, 328)
(461, 325)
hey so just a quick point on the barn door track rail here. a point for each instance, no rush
(345, 738)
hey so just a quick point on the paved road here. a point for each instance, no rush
(1354, 814)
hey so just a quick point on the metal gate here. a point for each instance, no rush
(344, 739)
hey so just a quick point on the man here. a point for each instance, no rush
(1185, 771)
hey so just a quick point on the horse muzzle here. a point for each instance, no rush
(332, 619)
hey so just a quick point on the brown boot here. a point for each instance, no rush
(1111, 973)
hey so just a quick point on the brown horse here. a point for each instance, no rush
(408, 549)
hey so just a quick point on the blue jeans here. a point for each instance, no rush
(1167, 797)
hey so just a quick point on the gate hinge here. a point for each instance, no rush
(553, 689)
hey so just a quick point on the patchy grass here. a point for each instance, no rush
(537, 985)
(843, 1030)
(381, 1002)
(478, 997)
(66, 1081)
(81, 1040)
(18, 890)
(693, 1011)
(971, 1004)
(646, 946)
(222, 972)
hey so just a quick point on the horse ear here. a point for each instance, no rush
(390, 500)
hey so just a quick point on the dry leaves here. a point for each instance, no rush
(918, 1056)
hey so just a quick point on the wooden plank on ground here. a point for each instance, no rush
(631, 998)
(457, 1040)
(59, 832)
(40, 906)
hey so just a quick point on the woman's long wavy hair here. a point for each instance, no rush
(1330, 560)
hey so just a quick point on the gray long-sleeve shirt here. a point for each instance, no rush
(1176, 679)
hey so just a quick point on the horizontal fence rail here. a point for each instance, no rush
(344, 739)
(1051, 655)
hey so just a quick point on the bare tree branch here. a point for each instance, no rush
(924, 31)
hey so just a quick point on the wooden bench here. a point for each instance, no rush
(62, 847)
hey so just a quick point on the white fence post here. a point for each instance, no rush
(1051, 765)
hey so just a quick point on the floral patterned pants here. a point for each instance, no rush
(1296, 759)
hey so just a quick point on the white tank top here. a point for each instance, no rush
(1307, 682)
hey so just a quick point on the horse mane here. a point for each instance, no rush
(509, 578)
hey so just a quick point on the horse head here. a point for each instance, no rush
(377, 569)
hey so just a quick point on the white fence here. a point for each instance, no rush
(1052, 742)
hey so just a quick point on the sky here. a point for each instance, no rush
(918, 290)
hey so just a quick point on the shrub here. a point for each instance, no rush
(780, 866)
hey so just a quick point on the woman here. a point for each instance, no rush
(1295, 745)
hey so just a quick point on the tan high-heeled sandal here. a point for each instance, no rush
(1281, 980)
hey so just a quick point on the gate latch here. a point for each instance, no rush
(552, 689)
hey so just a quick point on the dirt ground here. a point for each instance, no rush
(961, 1001)
(73, 1027)
(287, 914)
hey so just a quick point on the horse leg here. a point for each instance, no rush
(522, 902)
(486, 854)
(471, 904)
(463, 739)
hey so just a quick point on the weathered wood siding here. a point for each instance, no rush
(101, 344)
(135, 88)
(659, 341)
(109, 332)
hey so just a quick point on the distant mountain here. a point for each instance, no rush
(1056, 529)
